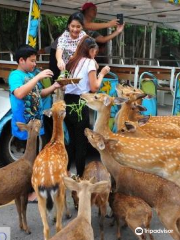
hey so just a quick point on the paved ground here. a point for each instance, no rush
(9, 218)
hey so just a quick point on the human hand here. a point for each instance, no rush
(61, 65)
(56, 85)
(105, 70)
(114, 22)
(47, 73)
(120, 28)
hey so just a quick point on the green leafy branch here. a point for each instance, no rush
(77, 107)
(64, 74)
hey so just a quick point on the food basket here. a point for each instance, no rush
(65, 81)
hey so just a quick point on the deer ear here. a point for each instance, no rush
(143, 120)
(107, 101)
(101, 145)
(92, 180)
(120, 100)
(22, 126)
(71, 184)
(130, 127)
(99, 187)
(141, 108)
(48, 112)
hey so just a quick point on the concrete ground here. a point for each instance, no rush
(9, 217)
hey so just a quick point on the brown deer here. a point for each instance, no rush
(132, 211)
(15, 178)
(80, 228)
(97, 170)
(102, 103)
(130, 111)
(154, 155)
(159, 193)
(132, 129)
(49, 169)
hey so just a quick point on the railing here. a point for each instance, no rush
(6, 55)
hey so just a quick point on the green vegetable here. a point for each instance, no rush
(64, 74)
(77, 108)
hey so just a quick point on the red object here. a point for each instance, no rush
(88, 5)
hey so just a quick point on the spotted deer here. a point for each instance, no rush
(80, 228)
(154, 155)
(49, 168)
(132, 129)
(96, 170)
(15, 178)
(130, 111)
(132, 211)
(159, 193)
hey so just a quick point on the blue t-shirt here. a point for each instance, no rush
(30, 107)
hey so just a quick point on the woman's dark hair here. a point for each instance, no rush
(82, 50)
(24, 51)
(78, 16)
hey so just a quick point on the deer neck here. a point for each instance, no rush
(58, 133)
(102, 121)
(84, 208)
(112, 166)
(123, 115)
(31, 148)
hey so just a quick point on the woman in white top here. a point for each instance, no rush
(69, 40)
(81, 65)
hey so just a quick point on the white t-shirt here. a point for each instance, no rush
(68, 44)
(84, 66)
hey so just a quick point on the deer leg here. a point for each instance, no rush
(68, 214)
(24, 201)
(148, 227)
(132, 225)
(18, 206)
(42, 210)
(169, 221)
(117, 219)
(59, 202)
(102, 210)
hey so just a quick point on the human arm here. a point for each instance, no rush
(60, 62)
(95, 81)
(104, 39)
(96, 26)
(60, 49)
(46, 91)
(24, 90)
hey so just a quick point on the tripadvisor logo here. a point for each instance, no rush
(138, 231)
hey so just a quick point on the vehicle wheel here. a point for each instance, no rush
(12, 148)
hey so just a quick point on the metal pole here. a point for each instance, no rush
(29, 20)
(153, 42)
(109, 49)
